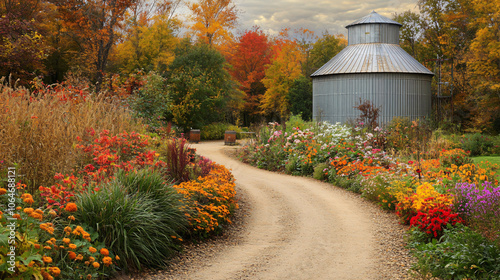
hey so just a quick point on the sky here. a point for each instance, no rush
(316, 15)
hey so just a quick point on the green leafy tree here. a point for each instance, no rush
(325, 48)
(200, 87)
(300, 96)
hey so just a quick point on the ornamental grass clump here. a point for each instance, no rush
(138, 216)
(39, 130)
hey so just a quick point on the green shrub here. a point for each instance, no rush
(319, 171)
(398, 133)
(136, 216)
(296, 121)
(477, 144)
(461, 253)
(216, 131)
(150, 102)
(291, 166)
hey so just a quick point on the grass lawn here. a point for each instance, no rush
(493, 160)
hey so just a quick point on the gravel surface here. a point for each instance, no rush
(293, 228)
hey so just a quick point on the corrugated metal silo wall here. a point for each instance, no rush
(407, 95)
(373, 33)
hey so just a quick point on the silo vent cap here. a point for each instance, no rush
(374, 17)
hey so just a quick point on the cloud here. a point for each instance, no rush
(332, 16)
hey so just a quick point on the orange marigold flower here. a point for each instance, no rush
(96, 265)
(32, 263)
(29, 200)
(66, 240)
(89, 277)
(28, 210)
(53, 213)
(67, 230)
(47, 259)
(91, 259)
(47, 247)
(37, 246)
(47, 276)
(79, 257)
(104, 251)
(19, 208)
(117, 258)
(71, 207)
(72, 218)
(72, 246)
(92, 249)
(72, 255)
(37, 216)
(87, 262)
(3, 191)
(55, 270)
(17, 216)
(107, 260)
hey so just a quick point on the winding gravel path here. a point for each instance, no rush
(295, 228)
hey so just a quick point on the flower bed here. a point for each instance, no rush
(84, 225)
(430, 189)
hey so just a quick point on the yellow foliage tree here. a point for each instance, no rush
(285, 68)
(213, 20)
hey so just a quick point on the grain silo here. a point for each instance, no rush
(372, 67)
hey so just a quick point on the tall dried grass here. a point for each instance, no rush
(38, 130)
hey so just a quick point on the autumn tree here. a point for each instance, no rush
(251, 55)
(285, 68)
(22, 45)
(199, 86)
(213, 20)
(484, 62)
(149, 37)
(93, 25)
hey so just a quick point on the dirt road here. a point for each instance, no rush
(297, 228)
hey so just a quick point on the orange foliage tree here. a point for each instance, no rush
(93, 25)
(249, 61)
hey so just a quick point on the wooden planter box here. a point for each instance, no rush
(194, 135)
(230, 137)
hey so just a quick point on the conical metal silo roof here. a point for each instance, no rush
(374, 17)
(373, 57)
